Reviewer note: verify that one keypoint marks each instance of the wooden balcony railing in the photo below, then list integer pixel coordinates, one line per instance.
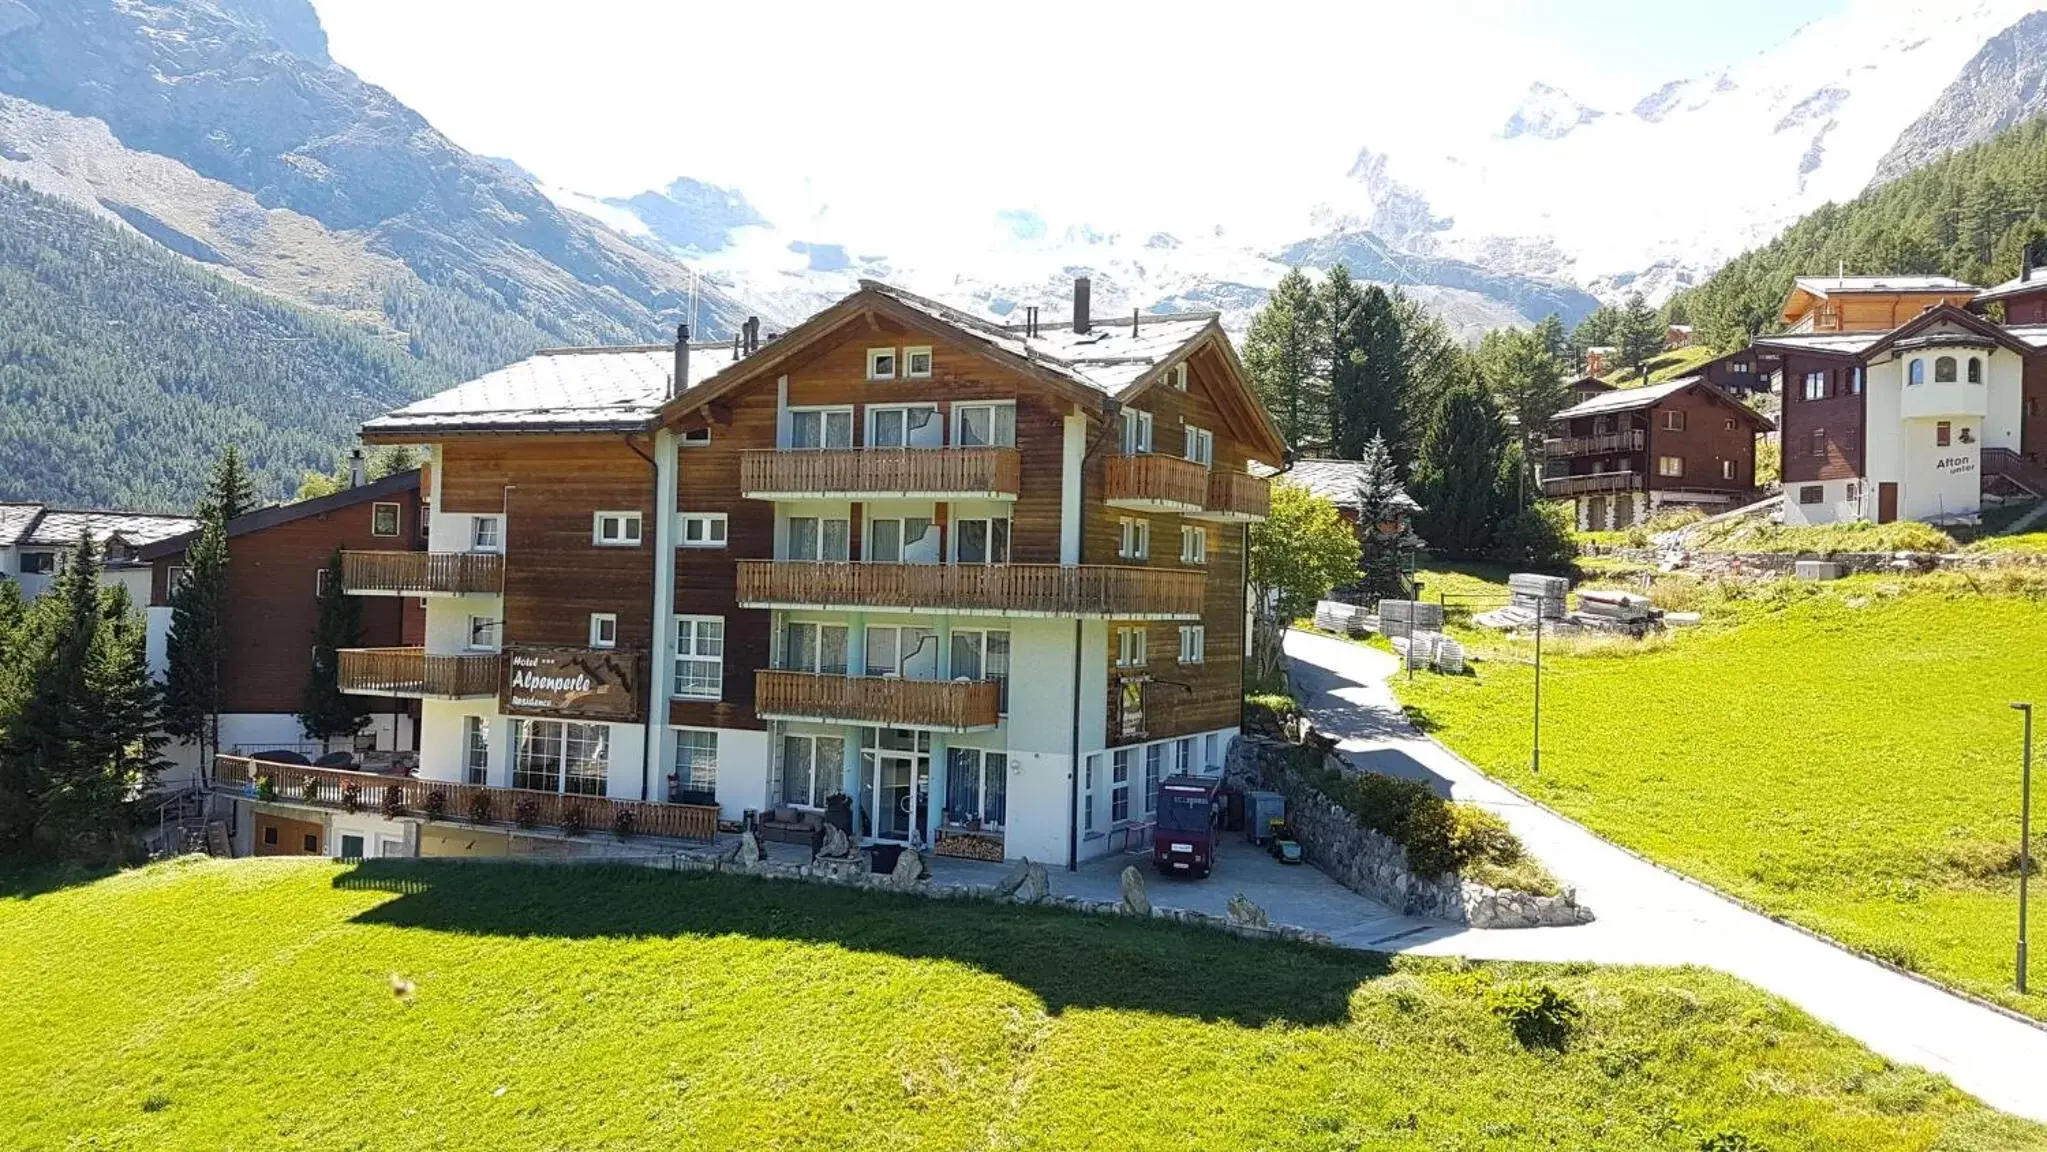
(1236, 498)
(859, 473)
(1095, 590)
(939, 705)
(411, 672)
(1154, 481)
(422, 573)
(1591, 482)
(509, 807)
(1631, 440)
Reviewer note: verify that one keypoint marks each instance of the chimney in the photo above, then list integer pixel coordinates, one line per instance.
(1080, 295)
(1133, 323)
(680, 383)
(753, 335)
(356, 473)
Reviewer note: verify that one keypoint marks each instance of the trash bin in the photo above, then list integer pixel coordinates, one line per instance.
(881, 858)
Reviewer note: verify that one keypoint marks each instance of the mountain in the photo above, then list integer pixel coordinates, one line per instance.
(2001, 85)
(125, 369)
(1548, 113)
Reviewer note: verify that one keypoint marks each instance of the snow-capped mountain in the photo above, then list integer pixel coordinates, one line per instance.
(2003, 84)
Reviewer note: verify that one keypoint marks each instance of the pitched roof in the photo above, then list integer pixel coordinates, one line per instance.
(1832, 343)
(16, 519)
(2016, 286)
(1333, 480)
(38, 525)
(1841, 285)
(1635, 399)
(559, 390)
(392, 485)
(1588, 384)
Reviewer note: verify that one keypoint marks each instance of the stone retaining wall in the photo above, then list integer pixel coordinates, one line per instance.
(1375, 865)
(1852, 563)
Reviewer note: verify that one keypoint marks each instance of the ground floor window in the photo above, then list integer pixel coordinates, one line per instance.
(1087, 792)
(1183, 760)
(696, 767)
(976, 786)
(1214, 758)
(558, 756)
(1154, 770)
(1119, 786)
(351, 847)
(812, 767)
(476, 749)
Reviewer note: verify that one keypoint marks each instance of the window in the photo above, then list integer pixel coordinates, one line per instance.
(1941, 433)
(486, 534)
(351, 847)
(483, 634)
(696, 767)
(1176, 377)
(695, 437)
(976, 786)
(1136, 540)
(1674, 421)
(982, 654)
(1183, 756)
(812, 767)
(270, 834)
(703, 530)
(1728, 424)
(384, 520)
(904, 540)
(475, 750)
(908, 651)
(917, 363)
(904, 426)
(1212, 751)
(1855, 380)
(1729, 470)
(559, 756)
(881, 363)
(1944, 370)
(1915, 373)
(815, 538)
(1852, 491)
(1200, 446)
(426, 519)
(1812, 494)
(603, 630)
(984, 425)
(810, 647)
(1154, 771)
(1741, 368)
(320, 584)
(1670, 465)
(981, 541)
(1129, 647)
(1975, 370)
(311, 843)
(818, 428)
(38, 563)
(1087, 792)
(699, 657)
(1119, 785)
(1193, 544)
(1137, 427)
(1193, 643)
(1817, 446)
(616, 530)
(1815, 386)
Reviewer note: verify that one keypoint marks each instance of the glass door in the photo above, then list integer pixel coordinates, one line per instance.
(898, 786)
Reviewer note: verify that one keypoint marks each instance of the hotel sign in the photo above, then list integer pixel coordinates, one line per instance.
(577, 683)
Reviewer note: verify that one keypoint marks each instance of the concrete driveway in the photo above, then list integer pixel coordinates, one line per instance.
(1649, 916)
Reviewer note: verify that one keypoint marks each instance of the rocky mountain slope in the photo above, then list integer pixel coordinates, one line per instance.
(2000, 86)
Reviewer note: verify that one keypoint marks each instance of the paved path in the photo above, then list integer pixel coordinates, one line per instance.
(1648, 916)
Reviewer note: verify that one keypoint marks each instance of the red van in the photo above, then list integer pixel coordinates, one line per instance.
(1184, 838)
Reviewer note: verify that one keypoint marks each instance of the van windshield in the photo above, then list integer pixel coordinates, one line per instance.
(1183, 812)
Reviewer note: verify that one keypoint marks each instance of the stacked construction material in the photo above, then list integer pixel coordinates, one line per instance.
(1342, 619)
(1544, 596)
(1618, 607)
(1432, 650)
(1406, 617)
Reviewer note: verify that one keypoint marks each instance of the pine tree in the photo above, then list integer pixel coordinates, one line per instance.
(57, 741)
(1342, 309)
(1528, 384)
(1554, 339)
(1281, 355)
(1381, 503)
(1640, 333)
(1457, 474)
(1599, 329)
(1431, 360)
(191, 696)
(131, 701)
(326, 711)
(230, 492)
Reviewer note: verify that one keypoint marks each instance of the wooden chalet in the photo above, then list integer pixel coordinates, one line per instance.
(1624, 454)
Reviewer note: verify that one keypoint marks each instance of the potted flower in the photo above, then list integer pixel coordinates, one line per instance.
(624, 824)
(436, 804)
(266, 788)
(838, 812)
(572, 820)
(526, 813)
(351, 796)
(394, 801)
(310, 788)
(482, 809)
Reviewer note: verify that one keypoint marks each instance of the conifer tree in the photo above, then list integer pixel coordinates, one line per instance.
(56, 740)
(1382, 503)
(326, 711)
(1554, 339)
(131, 703)
(1457, 473)
(193, 651)
(229, 492)
(1282, 357)
(1528, 385)
(1345, 335)
(1640, 333)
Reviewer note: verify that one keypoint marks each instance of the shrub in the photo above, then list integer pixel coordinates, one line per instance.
(266, 788)
(351, 796)
(1729, 1141)
(526, 813)
(1478, 835)
(624, 824)
(572, 820)
(1537, 537)
(436, 804)
(394, 801)
(1268, 714)
(1441, 837)
(482, 809)
(1539, 1015)
(309, 788)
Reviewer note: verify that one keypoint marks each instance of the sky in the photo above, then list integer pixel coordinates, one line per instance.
(886, 121)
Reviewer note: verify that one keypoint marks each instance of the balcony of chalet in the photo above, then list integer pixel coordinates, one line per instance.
(881, 474)
(883, 701)
(1591, 482)
(1151, 482)
(413, 674)
(1631, 440)
(1235, 498)
(422, 573)
(508, 809)
(1086, 590)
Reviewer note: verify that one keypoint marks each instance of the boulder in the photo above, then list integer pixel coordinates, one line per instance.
(1035, 885)
(750, 850)
(1244, 913)
(909, 871)
(837, 845)
(1012, 880)
(1136, 902)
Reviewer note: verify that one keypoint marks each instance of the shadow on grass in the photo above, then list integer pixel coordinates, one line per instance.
(1068, 960)
(24, 880)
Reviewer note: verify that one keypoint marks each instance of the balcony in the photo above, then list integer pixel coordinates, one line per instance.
(422, 573)
(881, 473)
(1591, 482)
(1156, 483)
(932, 705)
(1066, 591)
(1943, 400)
(1235, 498)
(411, 673)
(523, 808)
(1631, 440)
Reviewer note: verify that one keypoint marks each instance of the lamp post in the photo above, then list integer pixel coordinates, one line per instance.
(2025, 832)
(1535, 757)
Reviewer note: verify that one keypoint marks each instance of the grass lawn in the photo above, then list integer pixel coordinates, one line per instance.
(1841, 754)
(250, 1005)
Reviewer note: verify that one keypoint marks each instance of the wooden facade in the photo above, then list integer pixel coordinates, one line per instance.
(1692, 439)
(1821, 434)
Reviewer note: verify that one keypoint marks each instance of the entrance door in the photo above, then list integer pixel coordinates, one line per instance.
(1595, 513)
(1886, 502)
(903, 796)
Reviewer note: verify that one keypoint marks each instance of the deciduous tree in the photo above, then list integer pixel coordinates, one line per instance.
(1298, 553)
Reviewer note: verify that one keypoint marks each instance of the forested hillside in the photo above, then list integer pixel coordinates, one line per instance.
(125, 369)
(1967, 215)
